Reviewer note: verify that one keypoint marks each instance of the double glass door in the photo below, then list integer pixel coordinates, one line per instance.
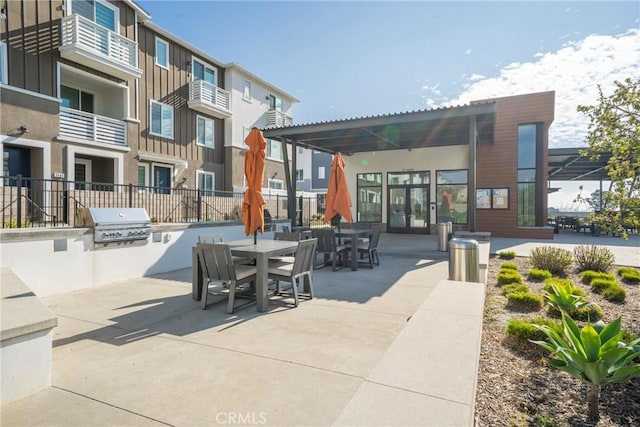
(408, 203)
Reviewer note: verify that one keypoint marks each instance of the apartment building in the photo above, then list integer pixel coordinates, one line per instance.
(93, 91)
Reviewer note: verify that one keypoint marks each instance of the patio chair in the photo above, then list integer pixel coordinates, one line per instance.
(219, 238)
(219, 269)
(290, 236)
(301, 268)
(328, 247)
(370, 249)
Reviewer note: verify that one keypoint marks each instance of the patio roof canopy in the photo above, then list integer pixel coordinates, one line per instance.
(417, 129)
(566, 164)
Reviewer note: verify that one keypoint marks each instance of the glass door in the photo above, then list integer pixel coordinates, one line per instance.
(408, 202)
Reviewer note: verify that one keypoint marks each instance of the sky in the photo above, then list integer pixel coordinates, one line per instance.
(362, 58)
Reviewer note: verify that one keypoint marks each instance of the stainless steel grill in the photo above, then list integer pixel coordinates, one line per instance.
(115, 225)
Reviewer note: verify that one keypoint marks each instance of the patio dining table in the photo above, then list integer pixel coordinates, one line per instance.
(260, 251)
(354, 234)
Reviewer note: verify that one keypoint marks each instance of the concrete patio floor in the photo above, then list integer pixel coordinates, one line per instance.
(395, 345)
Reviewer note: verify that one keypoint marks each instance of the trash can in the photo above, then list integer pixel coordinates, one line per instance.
(443, 236)
(464, 260)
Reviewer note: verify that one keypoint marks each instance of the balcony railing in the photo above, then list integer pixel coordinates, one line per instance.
(209, 99)
(90, 44)
(277, 118)
(78, 125)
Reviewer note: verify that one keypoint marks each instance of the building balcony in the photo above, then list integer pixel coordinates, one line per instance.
(79, 126)
(89, 44)
(209, 99)
(278, 119)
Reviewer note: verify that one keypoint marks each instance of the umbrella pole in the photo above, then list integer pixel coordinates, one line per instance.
(255, 237)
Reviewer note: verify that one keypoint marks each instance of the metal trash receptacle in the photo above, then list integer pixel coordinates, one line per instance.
(443, 237)
(464, 260)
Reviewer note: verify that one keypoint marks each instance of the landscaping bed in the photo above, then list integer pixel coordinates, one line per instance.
(517, 387)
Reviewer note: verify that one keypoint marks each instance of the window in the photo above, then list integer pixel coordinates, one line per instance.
(276, 184)
(162, 53)
(527, 144)
(451, 193)
(275, 103)
(162, 179)
(299, 174)
(320, 172)
(202, 71)
(101, 12)
(4, 75)
(274, 149)
(369, 191)
(143, 175)
(205, 131)
(300, 150)
(246, 91)
(76, 99)
(206, 182)
(161, 119)
(82, 174)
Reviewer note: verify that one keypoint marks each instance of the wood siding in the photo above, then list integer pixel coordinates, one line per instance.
(497, 162)
(171, 86)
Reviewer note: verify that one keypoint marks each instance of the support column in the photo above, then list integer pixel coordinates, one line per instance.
(473, 141)
(291, 190)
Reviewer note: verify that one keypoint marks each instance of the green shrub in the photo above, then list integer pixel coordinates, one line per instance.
(615, 293)
(538, 275)
(525, 301)
(509, 276)
(592, 257)
(523, 329)
(566, 282)
(506, 254)
(514, 287)
(509, 266)
(599, 285)
(556, 260)
(623, 270)
(588, 313)
(561, 297)
(630, 276)
(589, 275)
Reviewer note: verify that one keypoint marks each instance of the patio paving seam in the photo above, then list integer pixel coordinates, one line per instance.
(416, 392)
(102, 402)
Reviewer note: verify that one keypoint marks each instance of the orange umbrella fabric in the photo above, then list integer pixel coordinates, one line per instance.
(338, 199)
(253, 202)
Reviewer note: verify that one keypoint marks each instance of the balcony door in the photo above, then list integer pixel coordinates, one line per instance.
(102, 13)
(162, 179)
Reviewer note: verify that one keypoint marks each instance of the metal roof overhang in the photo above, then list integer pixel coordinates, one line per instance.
(566, 164)
(425, 128)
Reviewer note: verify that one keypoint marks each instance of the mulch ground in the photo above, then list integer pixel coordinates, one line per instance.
(516, 386)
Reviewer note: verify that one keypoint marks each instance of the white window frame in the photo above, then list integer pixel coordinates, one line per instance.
(166, 44)
(205, 65)
(275, 102)
(213, 130)
(246, 91)
(147, 177)
(88, 176)
(280, 183)
(300, 175)
(4, 78)
(162, 105)
(321, 172)
(205, 173)
(269, 150)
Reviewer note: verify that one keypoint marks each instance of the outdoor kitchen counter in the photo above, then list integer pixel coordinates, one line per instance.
(22, 311)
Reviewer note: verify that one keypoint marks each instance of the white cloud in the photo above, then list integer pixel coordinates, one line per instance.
(574, 72)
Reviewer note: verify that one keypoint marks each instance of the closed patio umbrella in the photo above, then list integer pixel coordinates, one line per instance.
(338, 201)
(253, 202)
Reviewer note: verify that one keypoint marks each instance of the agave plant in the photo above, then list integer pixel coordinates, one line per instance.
(562, 298)
(595, 355)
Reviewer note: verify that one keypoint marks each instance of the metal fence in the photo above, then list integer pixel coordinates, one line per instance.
(34, 202)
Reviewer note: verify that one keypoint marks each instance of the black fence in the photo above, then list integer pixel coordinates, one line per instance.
(34, 202)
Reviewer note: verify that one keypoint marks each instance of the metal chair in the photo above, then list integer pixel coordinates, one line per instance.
(328, 247)
(219, 238)
(302, 267)
(219, 269)
(370, 249)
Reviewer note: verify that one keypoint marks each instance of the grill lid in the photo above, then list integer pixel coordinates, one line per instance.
(99, 217)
